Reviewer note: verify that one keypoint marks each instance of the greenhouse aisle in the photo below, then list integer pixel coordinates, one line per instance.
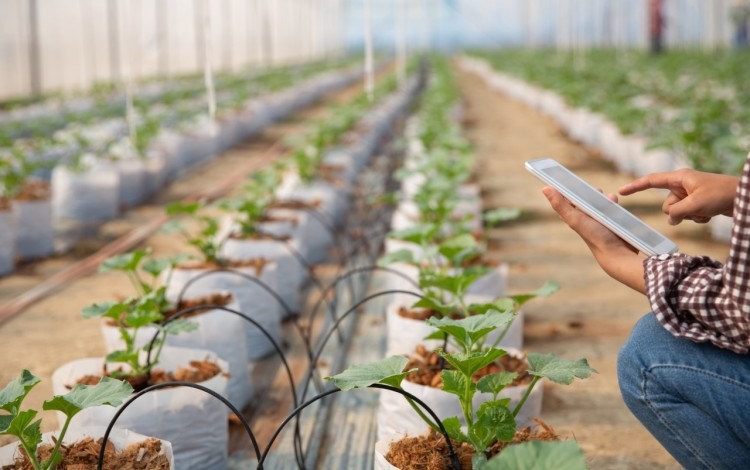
(591, 316)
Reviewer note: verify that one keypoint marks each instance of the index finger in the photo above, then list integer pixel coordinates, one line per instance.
(654, 180)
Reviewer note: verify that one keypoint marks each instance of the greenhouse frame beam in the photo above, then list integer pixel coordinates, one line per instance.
(35, 72)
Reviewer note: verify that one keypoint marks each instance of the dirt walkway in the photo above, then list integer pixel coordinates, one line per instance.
(592, 314)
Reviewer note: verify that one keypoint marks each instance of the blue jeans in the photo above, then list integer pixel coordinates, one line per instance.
(694, 398)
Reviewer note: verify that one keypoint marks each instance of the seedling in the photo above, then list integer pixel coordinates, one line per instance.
(146, 309)
(494, 420)
(22, 425)
(206, 240)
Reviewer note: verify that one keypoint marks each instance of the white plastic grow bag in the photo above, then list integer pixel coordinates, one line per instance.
(290, 273)
(120, 438)
(34, 235)
(133, 180)
(396, 415)
(90, 195)
(193, 421)
(721, 228)
(254, 301)
(218, 331)
(7, 241)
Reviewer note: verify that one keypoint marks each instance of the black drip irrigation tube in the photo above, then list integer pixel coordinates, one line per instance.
(335, 326)
(110, 426)
(287, 310)
(299, 453)
(358, 270)
(454, 465)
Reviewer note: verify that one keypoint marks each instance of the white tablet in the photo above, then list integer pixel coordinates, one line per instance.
(610, 214)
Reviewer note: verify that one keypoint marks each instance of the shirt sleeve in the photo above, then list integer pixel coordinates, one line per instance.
(701, 299)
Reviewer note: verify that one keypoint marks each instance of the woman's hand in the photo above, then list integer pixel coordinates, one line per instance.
(614, 255)
(693, 195)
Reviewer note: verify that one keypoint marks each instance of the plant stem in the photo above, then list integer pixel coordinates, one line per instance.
(525, 395)
(421, 414)
(60, 438)
(502, 335)
(31, 453)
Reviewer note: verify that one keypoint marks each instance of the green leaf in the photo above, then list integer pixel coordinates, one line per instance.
(180, 208)
(17, 423)
(455, 284)
(389, 371)
(108, 391)
(179, 325)
(128, 357)
(145, 312)
(113, 310)
(399, 256)
(470, 330)
(495, 383)
(539, 455)
(452, 426)
(419, 234)
(14, 393)
(469, 364)
(495, 416)
(558, 370)
(126, 262)
(549, 288)
(455, 383)
(505, 304)
(460, 248)
(432, 304)
(497, 216)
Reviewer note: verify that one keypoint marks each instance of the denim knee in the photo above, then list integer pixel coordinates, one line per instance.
(636, 356)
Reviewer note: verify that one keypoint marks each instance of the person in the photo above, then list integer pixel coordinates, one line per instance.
(684, 371)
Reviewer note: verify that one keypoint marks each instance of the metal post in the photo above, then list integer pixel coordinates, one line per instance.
(369, 66)
(34, 64)
(162, 37)
(114, 40)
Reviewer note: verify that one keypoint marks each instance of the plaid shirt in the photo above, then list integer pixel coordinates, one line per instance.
(699, 298)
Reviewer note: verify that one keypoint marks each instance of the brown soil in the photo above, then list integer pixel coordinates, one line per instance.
(4, 204)
(417, 314)
(84, 455)
(430, 368)
(257, 263)
(197, 372)
(35, 190)
(258, 236)
(219, 299)
(295, 204)
(430, 452)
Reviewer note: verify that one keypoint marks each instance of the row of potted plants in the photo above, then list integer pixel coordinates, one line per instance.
(146, 334)
(102, 180)
(455, 354)
(644, 116)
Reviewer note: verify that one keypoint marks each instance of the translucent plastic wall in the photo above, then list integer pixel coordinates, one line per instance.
(47, 45)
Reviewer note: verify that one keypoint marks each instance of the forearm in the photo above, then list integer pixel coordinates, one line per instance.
(622, 265)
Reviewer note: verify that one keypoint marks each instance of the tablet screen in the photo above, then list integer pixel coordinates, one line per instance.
(603, 205)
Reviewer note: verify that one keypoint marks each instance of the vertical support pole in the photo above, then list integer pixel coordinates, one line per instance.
(401, 41)
(162, 36)
(227, 28)
(208, 74)
(369, 66)
(34, 56)
(266, 36)
(114, 40)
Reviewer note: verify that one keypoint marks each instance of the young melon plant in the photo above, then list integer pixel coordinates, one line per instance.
(24, 425)
(494, 420)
